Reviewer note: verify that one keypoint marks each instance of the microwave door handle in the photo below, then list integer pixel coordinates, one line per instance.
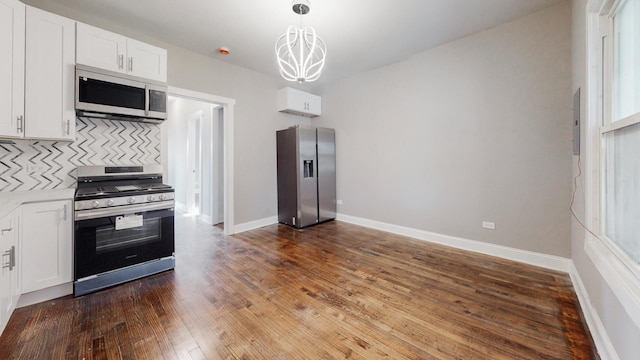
(147, 94)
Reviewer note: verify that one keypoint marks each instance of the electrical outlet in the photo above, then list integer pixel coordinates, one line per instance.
(36, 168)
(338, 202)
(489, 225)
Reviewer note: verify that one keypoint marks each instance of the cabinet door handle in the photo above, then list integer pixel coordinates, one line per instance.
(20, 123)
(64, 212)
(121, 61)
(68, 126)
(130, 64)
(12, 258)
(147, 95)
(6, 264)
(5, 230)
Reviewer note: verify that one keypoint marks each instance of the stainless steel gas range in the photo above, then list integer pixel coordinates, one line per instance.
(124, 226)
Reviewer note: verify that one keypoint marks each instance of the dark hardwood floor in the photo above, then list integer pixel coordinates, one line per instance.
(329, 292)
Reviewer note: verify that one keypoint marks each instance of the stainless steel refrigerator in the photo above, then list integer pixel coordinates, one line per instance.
(306, 175)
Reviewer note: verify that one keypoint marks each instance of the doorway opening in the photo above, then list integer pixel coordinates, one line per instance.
(194, 152)
(197, 153)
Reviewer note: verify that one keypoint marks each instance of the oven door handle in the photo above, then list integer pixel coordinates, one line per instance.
(129, 209)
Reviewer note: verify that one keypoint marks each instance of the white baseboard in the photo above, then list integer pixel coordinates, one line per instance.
(251, 225)
(207, 219)
(45, 294)
(181, 207)
(528, 257)
(598, 332)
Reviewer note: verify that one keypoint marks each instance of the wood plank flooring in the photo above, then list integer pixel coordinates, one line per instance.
(333, 291)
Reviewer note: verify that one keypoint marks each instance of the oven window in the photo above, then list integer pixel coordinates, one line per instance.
(109, 239)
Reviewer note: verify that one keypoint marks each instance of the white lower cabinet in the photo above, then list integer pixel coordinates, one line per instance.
(47, 241)
(9, 286)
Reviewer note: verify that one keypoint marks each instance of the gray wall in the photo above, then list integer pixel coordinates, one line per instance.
(256, 119)
(622, 331)
(477, 129)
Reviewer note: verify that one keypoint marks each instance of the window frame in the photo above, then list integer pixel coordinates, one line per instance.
(617, 268)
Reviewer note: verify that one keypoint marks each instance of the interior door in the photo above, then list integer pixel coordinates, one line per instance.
(194, 164)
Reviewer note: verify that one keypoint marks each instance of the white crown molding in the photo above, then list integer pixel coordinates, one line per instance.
(602, 7)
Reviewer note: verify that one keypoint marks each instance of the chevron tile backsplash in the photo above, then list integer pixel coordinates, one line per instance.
(98, 142)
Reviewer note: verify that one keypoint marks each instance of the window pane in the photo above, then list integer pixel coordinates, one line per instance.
(626, 25)
(622, 189)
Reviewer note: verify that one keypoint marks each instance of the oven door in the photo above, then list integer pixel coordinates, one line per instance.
(109, 242)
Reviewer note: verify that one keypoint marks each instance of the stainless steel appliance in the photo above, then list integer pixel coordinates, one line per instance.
(124, 226)
(110, 95)
(306, 175)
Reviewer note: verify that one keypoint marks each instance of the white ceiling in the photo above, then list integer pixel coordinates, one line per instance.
(360, 34)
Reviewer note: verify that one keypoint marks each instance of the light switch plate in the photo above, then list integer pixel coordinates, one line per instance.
(489, 225)
(576, 123)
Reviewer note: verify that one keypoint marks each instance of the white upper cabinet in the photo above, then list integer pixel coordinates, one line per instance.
(11, 68)
(299, 102)
(49, 76)
(100, 48)
(110, 51)
(146, 61)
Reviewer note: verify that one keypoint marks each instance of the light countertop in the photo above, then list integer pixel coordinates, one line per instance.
(10, 201)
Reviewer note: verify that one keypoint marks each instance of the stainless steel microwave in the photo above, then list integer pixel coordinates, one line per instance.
(114, 96)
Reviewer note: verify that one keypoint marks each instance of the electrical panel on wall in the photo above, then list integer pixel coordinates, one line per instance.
(576, 123)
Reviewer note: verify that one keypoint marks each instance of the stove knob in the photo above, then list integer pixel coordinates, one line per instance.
(163, 197)
(95, 203)
(131, 200)
(110, 202)
(151, 198)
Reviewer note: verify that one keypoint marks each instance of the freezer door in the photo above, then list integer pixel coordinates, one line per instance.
(326, 141)
(287, 143)
(308, 180)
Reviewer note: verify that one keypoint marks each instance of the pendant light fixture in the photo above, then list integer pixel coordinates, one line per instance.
(300, 52)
